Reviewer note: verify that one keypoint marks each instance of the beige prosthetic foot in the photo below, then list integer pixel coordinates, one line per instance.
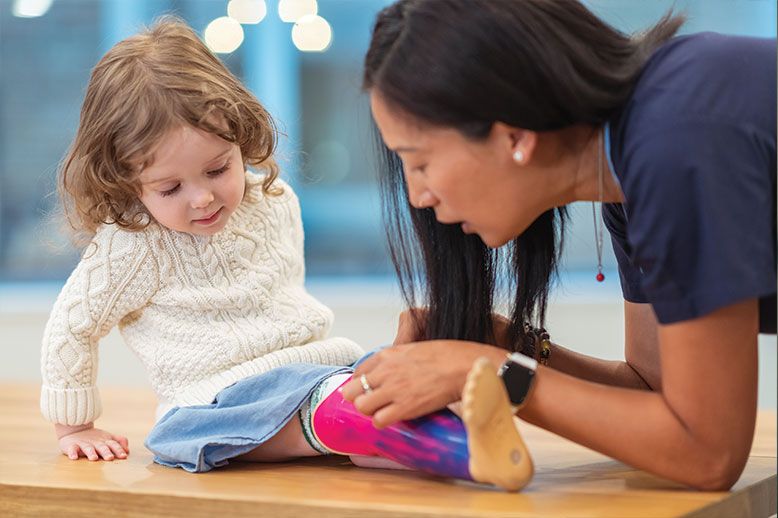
(497, 452)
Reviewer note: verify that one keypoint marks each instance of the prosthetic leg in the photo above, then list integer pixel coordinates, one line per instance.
(483, 446)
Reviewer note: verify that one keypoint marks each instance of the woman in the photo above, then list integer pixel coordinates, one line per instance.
(500, 115)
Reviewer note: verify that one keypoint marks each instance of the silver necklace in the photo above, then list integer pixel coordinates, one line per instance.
(598, 230)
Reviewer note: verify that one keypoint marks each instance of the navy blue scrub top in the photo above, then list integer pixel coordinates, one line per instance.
(694, 152)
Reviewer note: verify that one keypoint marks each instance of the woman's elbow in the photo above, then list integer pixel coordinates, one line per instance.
(718, 471)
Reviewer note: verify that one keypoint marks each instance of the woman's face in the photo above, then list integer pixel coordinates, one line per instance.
(476, 184)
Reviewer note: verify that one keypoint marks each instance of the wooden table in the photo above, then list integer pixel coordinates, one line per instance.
(36, 480)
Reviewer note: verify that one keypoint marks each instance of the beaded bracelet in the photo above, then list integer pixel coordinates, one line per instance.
(541, 343)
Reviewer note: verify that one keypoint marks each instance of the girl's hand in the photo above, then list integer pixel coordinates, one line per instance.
(90, 442)
(411, 380)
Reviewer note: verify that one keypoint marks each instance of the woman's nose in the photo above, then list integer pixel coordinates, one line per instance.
(418, 194)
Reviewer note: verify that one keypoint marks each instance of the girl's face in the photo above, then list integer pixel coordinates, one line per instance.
(476, 184)
(195, 181)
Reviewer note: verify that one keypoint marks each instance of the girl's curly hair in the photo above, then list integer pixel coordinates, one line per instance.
(161, 78)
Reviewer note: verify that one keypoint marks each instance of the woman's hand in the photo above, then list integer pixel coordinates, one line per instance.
(415, 379)
(90, 442)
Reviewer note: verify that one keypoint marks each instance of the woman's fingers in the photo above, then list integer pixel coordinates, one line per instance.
(381, 404)
(352, 389)
(369, 403)
(370, 364)
(355, 388)
(388, 415)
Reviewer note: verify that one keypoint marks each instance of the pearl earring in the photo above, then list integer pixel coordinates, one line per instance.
(518, 157)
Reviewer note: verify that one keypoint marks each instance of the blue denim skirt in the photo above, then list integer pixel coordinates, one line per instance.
(241, 417)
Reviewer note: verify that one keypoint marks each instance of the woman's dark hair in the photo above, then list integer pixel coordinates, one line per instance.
(541, 65)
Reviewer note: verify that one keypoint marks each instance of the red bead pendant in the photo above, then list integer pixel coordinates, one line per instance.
(600, 277)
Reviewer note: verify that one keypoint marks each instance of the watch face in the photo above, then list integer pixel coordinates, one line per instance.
(518, 380)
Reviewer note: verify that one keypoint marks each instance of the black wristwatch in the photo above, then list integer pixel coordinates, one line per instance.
(518, 375)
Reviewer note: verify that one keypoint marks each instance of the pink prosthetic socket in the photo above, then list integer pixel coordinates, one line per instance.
(436, 443)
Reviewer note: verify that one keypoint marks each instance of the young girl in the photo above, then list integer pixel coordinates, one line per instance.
(200, 264)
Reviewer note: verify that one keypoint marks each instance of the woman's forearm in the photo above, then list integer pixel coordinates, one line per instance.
(606, 372)
(637, 427)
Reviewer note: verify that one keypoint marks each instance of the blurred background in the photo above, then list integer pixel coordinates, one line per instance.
(303, 60)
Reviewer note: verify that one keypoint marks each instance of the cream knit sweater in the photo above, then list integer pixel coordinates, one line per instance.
(200, 312)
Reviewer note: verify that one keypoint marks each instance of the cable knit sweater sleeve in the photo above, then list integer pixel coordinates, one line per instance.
(116, 277)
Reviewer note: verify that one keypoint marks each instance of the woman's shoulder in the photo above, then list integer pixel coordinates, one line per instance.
(692, 111)
(704, 80)
(715, 54)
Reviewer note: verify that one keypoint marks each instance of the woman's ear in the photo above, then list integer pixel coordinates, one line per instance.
(519, 143)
